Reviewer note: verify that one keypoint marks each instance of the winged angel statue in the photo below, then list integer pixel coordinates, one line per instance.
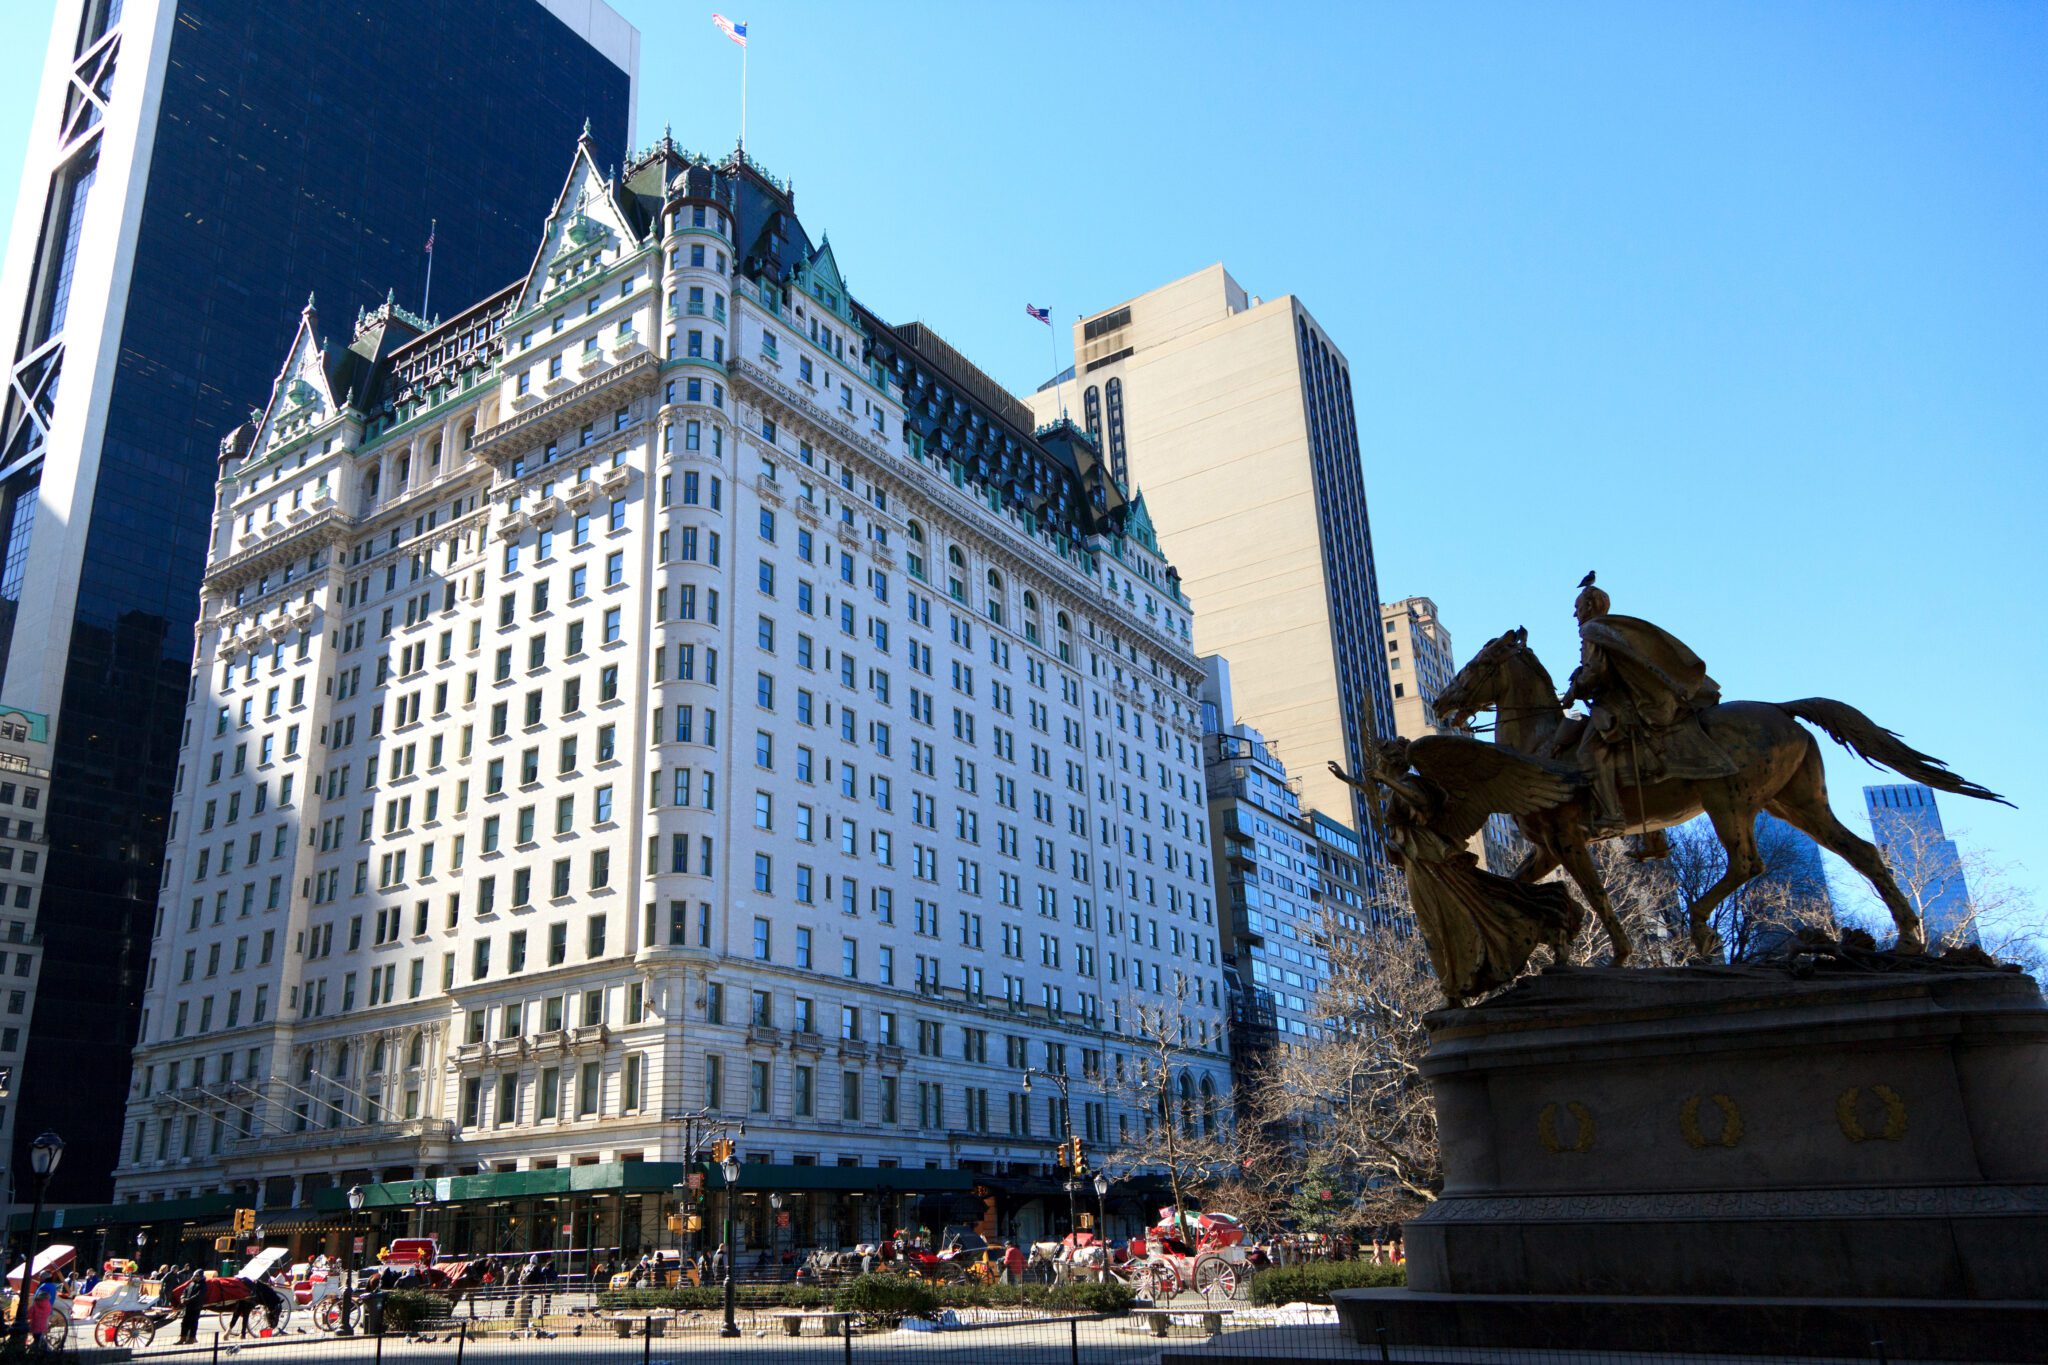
(1434, 794)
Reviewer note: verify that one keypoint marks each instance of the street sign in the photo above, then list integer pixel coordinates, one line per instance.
(782, 1219)
(696, 1180)
(360, 1246)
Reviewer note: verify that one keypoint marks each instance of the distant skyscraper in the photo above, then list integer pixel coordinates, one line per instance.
(1419, 662)
(194, 169)
(1791, 859)
(1905, 821)
(1234, 417)
(1268, 877)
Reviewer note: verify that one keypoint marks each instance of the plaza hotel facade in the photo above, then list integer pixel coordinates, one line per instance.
(665, 688)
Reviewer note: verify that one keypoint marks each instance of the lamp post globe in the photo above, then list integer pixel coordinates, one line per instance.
(44, 1155)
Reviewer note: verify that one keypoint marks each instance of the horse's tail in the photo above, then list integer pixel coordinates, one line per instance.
(1877, 746)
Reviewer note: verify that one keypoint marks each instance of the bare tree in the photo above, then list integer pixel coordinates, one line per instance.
(1965, 896)
(1355, 1098)
(1185, 1129)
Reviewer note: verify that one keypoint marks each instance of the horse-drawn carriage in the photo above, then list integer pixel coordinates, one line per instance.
(963, 1256)
(233, 1299)
(50, 1307)
(1205, 1252)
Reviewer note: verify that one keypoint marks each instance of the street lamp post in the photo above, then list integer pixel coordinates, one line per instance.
(730, 1169)
(422, 1195)
(1102, 1219)
(775, 1203)
(348, 1285)
(1059, 1081)
(43, 1158)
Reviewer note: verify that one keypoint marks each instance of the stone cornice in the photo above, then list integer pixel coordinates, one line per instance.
(329, 527)
(496, 444)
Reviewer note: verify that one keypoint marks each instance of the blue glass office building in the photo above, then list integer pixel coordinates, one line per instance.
(196, 168)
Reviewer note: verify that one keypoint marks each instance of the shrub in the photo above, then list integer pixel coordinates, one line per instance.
(712, 1296)
(1312, 1282)
(1083, 1297)
(405, 1309)
(886, 1299)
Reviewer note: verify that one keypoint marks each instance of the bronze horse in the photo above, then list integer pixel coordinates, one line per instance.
(1778, 769)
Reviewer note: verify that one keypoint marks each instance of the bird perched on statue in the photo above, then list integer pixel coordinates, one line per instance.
(1587, 581)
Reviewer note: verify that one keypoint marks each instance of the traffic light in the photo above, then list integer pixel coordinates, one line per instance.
(1060, 1156)
(1077, 1162)
(721, 1149)
(244, 1221)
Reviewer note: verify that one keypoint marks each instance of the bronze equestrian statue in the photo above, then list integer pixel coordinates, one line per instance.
(1661, 747)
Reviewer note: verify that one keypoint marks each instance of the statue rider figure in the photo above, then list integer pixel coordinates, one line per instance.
(1644, 690)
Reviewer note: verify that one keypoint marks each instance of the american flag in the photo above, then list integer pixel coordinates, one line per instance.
(1044, 315)
(431, 231)
(736, 32)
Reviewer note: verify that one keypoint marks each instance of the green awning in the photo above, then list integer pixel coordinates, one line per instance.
(89, 1216)
(647, 1177)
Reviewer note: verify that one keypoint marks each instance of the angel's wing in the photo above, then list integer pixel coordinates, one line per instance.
(1479, 779)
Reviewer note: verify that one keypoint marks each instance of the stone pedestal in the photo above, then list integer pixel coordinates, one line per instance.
(1741, 1135)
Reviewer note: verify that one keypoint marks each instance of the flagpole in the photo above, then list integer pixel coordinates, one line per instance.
(427, 294)
(1059, 388)
(743, 98)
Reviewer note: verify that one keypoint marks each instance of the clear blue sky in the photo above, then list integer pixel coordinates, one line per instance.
(1744, 305)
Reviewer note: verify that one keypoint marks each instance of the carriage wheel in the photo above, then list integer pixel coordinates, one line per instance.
(57, 1335)
(1162, 1281)
(134, 1329)
(1214, 1274)
(327, 1315)
(284, 1316)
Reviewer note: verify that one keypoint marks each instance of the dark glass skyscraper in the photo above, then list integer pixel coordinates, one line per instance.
(196, 168)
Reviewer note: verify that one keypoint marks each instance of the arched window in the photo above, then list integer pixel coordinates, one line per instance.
(1208, 1107)
(341, 1062)
(415, 1049)
(915, 533)
(1031, 622)
(377, 1058)
(1065, 643)
(1187, 1105)
(1117, 465)
(956, 574)
(994, 605)
(1091, 408)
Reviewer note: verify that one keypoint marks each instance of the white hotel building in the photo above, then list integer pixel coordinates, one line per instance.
(665, 687)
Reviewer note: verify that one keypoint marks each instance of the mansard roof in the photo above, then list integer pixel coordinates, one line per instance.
(1055, 472)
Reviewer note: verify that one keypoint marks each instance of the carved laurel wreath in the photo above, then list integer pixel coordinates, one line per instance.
(1582, 1120)
(1731, 1122)
(1894, 1114)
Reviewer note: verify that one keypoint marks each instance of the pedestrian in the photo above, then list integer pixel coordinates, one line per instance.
(193, 1297)
(1013, 1264)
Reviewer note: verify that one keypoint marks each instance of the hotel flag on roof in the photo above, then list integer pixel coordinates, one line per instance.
(1044, 315)
(736, 32)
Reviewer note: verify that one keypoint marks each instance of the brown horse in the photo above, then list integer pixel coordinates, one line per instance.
(1778, 769)
(459, 1280)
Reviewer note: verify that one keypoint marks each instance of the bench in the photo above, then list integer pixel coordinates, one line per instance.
(1160, 1319)
(835, 1324)
(624, 1328)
